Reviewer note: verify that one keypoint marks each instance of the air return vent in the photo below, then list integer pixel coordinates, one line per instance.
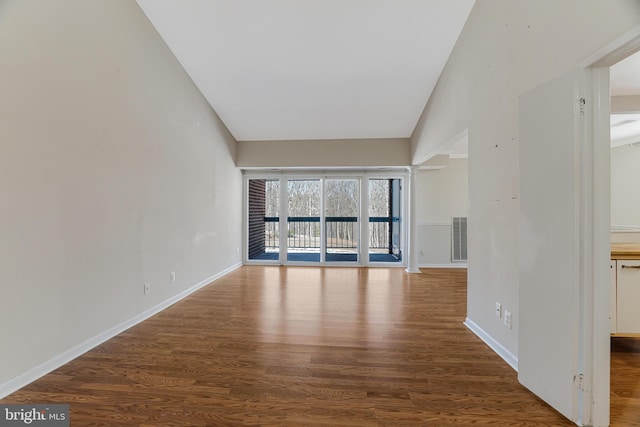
(459, 238)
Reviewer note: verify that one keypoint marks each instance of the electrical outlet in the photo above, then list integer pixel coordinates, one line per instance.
(172, 276)
(147, 288)
(507, 319)
(498, 309)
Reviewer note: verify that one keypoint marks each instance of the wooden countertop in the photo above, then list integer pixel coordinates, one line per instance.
(620, 250)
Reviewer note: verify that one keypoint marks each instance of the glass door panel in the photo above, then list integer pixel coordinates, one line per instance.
(342, 226)
(264, 217)
(385, 220)
(303, 220)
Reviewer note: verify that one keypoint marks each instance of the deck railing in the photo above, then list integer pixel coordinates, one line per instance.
(342, 233)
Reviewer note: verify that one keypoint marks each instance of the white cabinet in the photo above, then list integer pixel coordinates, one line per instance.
(627, 312)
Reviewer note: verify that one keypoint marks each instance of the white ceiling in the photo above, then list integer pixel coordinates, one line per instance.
(312, 69)
(625, 129)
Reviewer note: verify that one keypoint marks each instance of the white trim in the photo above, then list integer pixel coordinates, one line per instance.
(596, 233)
(625, 229)
(506, 355)
(584, 232)
(322, 174)
(67, 356)
(600, 349)
(431, 168)
(452, 265)
(628, 140)
(378, 171)
(445, 146)
(411, 214)
(614, 52)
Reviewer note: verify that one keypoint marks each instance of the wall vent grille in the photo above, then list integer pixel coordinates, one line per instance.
(459, 238)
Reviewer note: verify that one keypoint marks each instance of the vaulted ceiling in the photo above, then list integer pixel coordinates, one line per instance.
(312, 69)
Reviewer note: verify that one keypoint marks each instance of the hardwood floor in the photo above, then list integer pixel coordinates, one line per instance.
(307, 347)
(625, 381)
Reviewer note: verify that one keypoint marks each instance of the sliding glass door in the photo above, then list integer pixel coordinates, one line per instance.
(303, 220)
(342, 225)
(385, 220)
(346, 219)
(263, 219)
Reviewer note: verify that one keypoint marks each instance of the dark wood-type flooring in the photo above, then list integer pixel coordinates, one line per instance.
(311, 346)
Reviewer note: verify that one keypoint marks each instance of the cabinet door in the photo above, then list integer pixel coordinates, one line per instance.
(613, 293)
(628, 314)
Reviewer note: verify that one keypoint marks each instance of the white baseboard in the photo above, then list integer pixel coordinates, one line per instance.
(78, 350)
(452, 265)
(492, 343)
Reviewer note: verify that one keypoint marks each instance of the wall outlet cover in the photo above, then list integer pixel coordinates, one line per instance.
(507, 319)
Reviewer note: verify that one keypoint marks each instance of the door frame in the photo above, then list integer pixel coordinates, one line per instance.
(594, 216)
(284, 209)
(363, 176)
(323, 220)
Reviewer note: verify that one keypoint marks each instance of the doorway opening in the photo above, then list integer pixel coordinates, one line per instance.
(384, 220)
(624, 81)
(571, 115)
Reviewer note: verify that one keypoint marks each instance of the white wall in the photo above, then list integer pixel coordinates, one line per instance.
(625, 192)
(506, 48)
(442, 194)
(114, 171)
(624, 104)
(625, 173)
